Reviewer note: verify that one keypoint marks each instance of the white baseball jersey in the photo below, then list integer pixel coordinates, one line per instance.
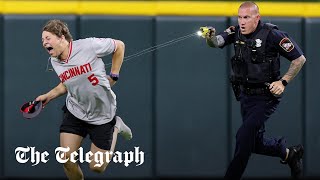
(90, 97)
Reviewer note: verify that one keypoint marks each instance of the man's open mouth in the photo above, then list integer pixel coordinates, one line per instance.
(49, 49)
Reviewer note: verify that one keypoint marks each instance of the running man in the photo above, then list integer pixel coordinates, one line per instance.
(90, 103)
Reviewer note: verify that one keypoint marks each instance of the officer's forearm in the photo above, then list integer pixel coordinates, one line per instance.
(215, 41)
(294, 68)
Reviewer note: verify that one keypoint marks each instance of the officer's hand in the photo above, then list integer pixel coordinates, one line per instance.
(207, 32)
(276, 88)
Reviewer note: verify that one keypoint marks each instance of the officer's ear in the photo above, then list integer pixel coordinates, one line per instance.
(258, 17)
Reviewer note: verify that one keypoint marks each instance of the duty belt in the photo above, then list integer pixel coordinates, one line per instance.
(255, 91)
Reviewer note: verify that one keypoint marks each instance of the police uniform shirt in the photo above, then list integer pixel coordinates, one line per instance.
(89, 97)
(277, 41)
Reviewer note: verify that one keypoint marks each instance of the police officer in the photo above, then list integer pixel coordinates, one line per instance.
(258, 86)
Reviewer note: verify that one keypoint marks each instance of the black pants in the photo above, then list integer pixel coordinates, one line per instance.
(100, 135)
(255, 111)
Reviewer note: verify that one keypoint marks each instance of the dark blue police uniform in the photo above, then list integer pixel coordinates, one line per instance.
(256, 62)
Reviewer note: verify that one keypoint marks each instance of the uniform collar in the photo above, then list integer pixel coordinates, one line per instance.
(251, 35)
(70, 51)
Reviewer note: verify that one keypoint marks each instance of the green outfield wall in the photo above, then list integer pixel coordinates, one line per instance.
(177, 99)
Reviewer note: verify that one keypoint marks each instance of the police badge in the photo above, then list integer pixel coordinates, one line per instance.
(258, 42)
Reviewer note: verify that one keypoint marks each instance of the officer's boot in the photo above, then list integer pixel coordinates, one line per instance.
(294, 160)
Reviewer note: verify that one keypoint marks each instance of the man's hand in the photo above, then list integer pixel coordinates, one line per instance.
(276, 88)
(111, 81)
(44, 99)
(54, 93)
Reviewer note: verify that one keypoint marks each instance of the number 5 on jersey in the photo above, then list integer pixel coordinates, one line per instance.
(93, 79)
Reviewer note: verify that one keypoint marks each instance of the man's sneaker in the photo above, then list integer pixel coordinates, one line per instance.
(124, 130)
(294, 160)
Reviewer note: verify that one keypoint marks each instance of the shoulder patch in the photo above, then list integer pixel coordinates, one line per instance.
(230, 30)
(286, 44)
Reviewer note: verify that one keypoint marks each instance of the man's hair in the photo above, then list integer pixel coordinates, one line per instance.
(58, 28)
(249, 4)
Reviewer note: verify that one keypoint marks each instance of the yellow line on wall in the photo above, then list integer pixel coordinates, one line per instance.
(1, 6)
(118, 8)
(153, 8)
(40, 7)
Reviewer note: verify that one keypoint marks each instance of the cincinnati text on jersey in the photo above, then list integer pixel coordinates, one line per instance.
(75, 71)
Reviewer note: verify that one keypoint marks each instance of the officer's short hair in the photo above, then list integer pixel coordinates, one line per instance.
(249, 3)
